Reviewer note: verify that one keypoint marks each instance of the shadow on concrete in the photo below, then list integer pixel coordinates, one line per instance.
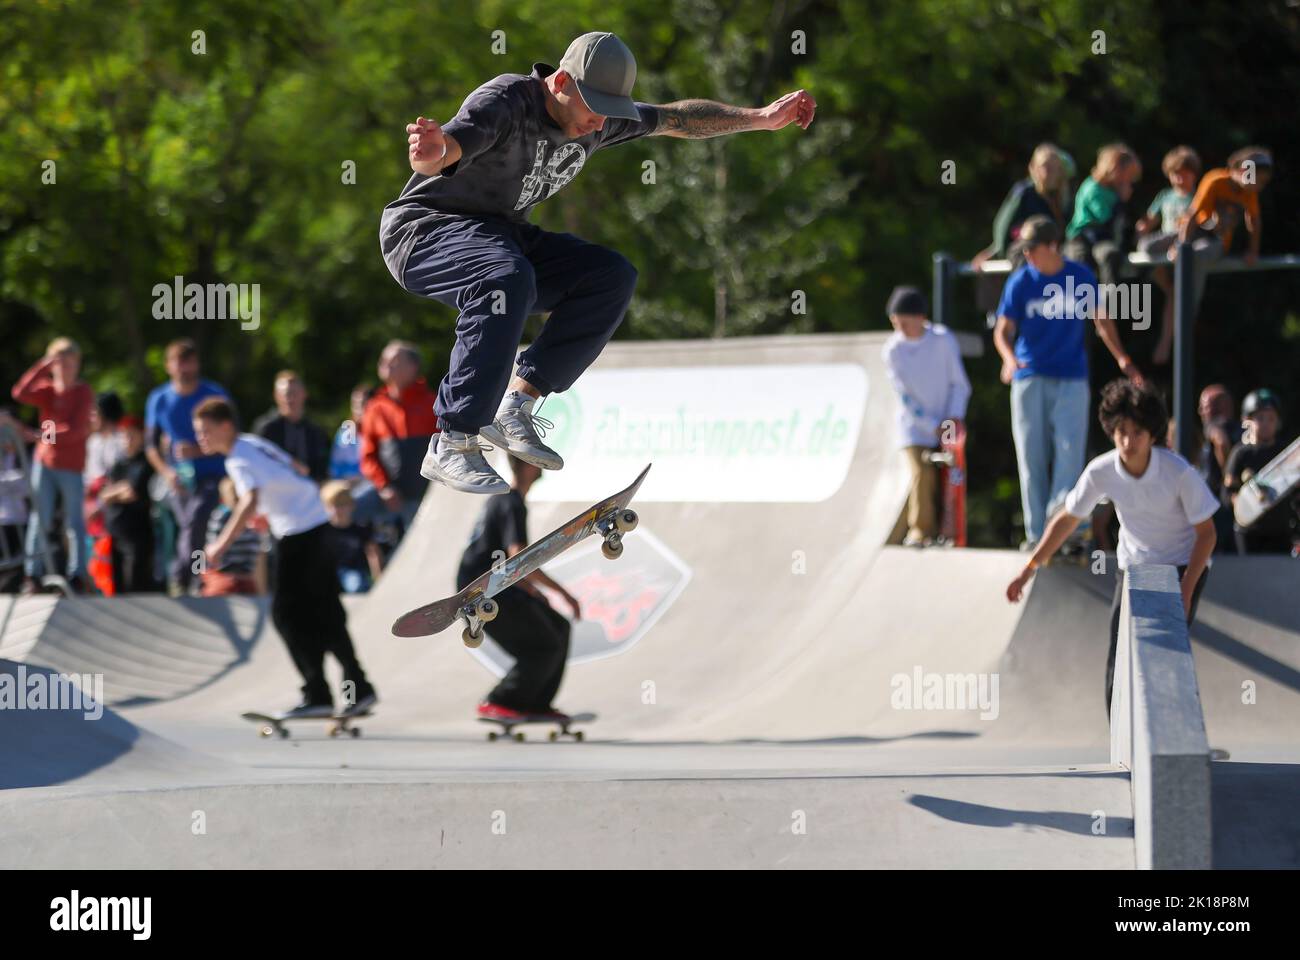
(982, 815)
(1254, 806)
(43, 746)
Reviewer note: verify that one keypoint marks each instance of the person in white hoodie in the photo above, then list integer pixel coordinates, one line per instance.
(924, 364)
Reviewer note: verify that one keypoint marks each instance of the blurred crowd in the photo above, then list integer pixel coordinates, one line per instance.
(1058, 238)
(119, 501)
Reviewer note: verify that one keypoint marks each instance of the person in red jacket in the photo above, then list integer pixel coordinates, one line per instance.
(396, 427)
(63, 403)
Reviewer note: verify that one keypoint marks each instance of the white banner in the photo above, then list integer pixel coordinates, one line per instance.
(771, 434)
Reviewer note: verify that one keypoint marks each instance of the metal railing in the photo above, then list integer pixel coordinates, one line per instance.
(947, 269)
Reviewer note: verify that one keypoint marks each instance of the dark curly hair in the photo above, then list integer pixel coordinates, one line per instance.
(1123, 399)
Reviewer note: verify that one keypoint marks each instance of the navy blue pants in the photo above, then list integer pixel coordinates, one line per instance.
(496, 273)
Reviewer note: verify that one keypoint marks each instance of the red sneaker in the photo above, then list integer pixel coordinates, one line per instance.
(494, 711)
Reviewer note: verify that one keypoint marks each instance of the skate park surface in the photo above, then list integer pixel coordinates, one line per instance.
(748, 659)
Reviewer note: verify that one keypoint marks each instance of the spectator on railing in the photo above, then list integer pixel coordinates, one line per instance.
(1260, 443)
(1045, 192)
(289, 428)
(925, 368)
(395, 431)
(1158, 232)
(63, 402)
(1040, 335)
(1226, 197)
(1096, 234)
(1220, 432)
(174, 453)
(1166, 512)
(125, 496)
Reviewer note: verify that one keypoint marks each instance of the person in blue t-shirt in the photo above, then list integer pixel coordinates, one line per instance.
(1041, 336)
(171, 448)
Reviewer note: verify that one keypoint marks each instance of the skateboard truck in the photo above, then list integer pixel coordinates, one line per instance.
(475, 616)
(612, 529)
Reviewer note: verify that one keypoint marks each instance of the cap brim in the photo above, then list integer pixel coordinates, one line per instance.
(606, 104)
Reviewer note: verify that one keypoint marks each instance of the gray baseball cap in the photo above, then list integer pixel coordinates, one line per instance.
(604, 70)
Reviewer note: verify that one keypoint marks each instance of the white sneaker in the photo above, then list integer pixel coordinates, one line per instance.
(456, 459)
(516, 429)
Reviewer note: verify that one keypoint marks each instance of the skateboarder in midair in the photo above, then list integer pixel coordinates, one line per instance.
(459, 234)
(526, 627)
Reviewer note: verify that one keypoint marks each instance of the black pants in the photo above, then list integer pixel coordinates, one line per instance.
(538, 638)
(306, 610)
(193, 509)
(133, 561)
(1114, 621)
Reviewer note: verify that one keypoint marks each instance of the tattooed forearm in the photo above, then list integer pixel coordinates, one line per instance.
(698, 119)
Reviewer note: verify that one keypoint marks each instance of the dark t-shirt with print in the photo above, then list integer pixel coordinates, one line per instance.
(503, 522)
(513, 156)
(1252, 458)
(130, 521)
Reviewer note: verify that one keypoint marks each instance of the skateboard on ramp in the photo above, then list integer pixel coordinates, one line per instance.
(1275, 483)
(562, 727)
(474, 605)
(950, 458)
(278, 724)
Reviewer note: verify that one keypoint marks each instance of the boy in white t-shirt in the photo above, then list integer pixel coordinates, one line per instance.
(305, 604)
(1166, 512)
(924, 364)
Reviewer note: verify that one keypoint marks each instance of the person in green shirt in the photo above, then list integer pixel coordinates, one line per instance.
(1096, 231)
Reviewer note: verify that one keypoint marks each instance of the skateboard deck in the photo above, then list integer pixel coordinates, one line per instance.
(278, 724)
(474, 605)
(1274, 483)
(562, 727)
(951, 460)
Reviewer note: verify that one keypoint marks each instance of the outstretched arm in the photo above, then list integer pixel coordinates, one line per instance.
(700, 119)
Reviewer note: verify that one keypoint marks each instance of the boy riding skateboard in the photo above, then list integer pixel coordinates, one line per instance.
(459, 234)
(305, 604)
(526, 627)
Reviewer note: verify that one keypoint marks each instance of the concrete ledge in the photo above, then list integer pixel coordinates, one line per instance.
(1157, 727)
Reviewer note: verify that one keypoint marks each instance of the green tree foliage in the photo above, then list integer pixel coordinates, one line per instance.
(256, 141)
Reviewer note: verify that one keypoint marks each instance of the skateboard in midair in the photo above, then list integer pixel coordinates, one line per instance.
(278, 724)
(1268, 489)
(610, 518)
(950, 458)
(562, 727)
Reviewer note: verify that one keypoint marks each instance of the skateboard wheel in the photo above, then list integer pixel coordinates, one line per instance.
(334, 731)
(471, 639)
(612, 548)
(284, 733)
(553, 736)
(265, 732)
(355, 732)
(625, 521)
(487, 610)
(577, 735)
(519, 737)
(492, 736)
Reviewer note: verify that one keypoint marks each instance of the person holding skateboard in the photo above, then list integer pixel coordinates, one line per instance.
(924, 364)
(526, 627)
(459, 234)
(1166, 512)
(305, 604)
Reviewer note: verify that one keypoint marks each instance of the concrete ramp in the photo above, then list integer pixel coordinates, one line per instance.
(757, 659)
